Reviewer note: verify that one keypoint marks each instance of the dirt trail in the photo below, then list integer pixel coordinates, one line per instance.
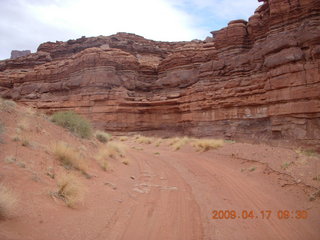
(206, 182)
(165, 194)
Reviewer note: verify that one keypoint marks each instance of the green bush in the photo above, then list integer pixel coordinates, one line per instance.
(74, 122)
(102, 136)
(1, 131)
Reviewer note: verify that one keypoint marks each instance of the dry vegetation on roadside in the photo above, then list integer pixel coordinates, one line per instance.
(203, 145)
(176, 143)
(70, 190)
(69, 157)
(102, 136)
(7, 201)
(143, 140)
(112, 150)
(1, 131)
(7, 105)
(123, 138)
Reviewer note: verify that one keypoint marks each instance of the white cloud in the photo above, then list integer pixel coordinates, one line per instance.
(63, 20)
(153, 19)
(223, 9)
(27, 23)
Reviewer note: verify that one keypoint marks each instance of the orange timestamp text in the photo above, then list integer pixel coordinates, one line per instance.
(262, 214)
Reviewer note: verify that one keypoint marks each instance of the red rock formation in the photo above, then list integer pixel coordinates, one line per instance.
(16, 53)
(255, 80)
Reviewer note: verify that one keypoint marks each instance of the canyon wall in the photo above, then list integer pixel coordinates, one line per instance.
(255, 80)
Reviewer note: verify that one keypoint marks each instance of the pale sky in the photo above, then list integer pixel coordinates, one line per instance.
(24, 24)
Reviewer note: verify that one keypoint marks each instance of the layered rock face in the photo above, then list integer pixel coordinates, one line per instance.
(257, 80)
(16, 53)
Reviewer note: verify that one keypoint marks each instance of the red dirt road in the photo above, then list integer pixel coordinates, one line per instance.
(165, 194)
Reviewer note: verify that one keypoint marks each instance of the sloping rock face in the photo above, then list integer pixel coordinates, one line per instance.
(257, 80)
(16, 53)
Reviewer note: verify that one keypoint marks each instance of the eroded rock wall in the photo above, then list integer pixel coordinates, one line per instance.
(257, 80)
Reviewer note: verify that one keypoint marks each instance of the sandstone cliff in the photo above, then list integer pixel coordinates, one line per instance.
(257, 80)
(16, 53)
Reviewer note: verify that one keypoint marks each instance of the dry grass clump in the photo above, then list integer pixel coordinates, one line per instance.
(1, 131)
(24, 124)
(102, 158)
(307, 152)
(123, 138)
(25, 142)
(252, 169)
(143, 140)
(102, 136)
(115, 150)
(7, 202)
(69, 157)
(178, 143)
(71, 190)
(316, 178)
(10, 159)
(112, 150)
(30, 111)
(158, 142)
(204, 145)
(125, 162)
(7, 105)
(286, 165)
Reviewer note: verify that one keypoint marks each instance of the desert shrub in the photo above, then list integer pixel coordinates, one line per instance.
(123, 138)
(158, 142)
(307, 152)
(204, 145)
(102, 158)
(125, 162)
(25, 142)
(113, 150)
(252, 169)
(177, 143)
(10, 159)
(102, 136)
(142, 139)
(316, 178)
(70, 190)
(286, 165)
(7, 105)
(74, 122)
(1, 131)
(24, 124)
(69, 157)
(7, 201)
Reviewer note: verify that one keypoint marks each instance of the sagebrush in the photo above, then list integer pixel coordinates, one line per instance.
(74, 122)
(102, 136)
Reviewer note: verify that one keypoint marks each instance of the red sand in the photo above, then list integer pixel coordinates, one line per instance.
(161, 193)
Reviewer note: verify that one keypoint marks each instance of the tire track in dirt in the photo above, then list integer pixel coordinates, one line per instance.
(236, 193)
(161, 206)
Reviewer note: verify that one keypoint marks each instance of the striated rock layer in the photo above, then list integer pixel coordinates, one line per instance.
(16, 53)
(257, 80)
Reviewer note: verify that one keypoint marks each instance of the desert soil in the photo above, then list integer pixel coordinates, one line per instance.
(161, 193)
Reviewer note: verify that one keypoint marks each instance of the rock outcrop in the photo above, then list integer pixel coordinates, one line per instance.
(257, 80)
(16, 53)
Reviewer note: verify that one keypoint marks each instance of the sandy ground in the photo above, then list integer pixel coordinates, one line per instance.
(161, 193)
